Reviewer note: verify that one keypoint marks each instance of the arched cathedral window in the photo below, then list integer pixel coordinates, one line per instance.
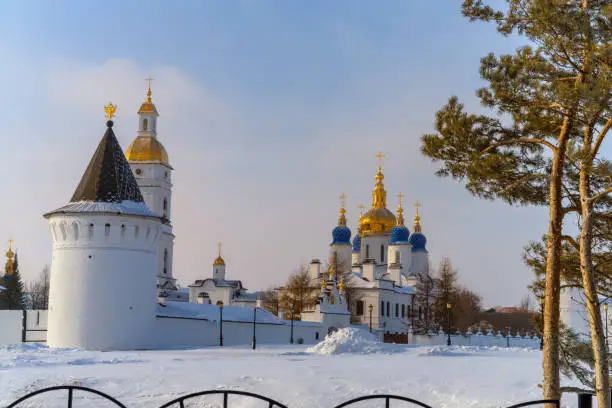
(397, 257)
(165, 210)
(382, 253)
(145, 124)
(165, 260)
(367, 254)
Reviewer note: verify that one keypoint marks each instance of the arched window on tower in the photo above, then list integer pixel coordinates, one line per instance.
(165, 210)
(165, 261)
(145, 124)
(388, 309)
(397, 257)
(382, 253)
(367, 254)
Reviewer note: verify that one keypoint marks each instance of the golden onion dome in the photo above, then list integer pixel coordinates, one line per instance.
(147, 149)
(219, 261)
(148, 106)
(377, 220)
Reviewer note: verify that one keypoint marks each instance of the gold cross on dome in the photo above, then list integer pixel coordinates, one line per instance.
(417, 205)
(10, 242)
(343, 200)
(361, 207)
(380, 156)
(219, 245)
(110, 110)
(149, 79)
(400, 196)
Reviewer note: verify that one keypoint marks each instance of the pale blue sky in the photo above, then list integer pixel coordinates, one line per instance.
(269, 110)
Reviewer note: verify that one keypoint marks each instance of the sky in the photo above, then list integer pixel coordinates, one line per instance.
(269, 111)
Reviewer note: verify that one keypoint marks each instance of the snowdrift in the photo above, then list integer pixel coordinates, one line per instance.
(354, 341)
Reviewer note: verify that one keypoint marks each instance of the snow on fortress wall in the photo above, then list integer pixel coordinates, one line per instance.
(486, 340)
(174, 331)
(11, 326)
(195, 325)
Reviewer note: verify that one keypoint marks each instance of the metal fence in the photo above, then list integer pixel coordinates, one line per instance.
(227, 397)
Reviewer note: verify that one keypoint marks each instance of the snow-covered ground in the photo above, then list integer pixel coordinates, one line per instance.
(349, 365)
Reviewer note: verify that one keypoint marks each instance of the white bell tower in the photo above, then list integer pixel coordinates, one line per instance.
(149, 162)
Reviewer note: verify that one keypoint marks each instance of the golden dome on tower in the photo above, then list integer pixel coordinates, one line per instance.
(148, 106)
(378, 219)
(147, 149)
(219, 261)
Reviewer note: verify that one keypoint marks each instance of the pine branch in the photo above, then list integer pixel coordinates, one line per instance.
(600, 137)
(571, 241)
(521, 140)
(600, 195)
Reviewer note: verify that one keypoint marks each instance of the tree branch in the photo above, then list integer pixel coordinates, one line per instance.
(521, 140)
(600, 195)
(572, 241)
(600, 137)
(523, 179)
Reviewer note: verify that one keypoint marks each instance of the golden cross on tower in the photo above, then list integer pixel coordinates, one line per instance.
(417, 205)
(219, 245)
(361, 208)
(10, 242)
(343, 200)
(149, 79)
(110, 110)
(400, 196)
(380, 156)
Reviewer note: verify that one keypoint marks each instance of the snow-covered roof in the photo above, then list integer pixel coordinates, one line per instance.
(218, 283)
(211, 312)
(360, 282)
(409, 290)
(124, 207)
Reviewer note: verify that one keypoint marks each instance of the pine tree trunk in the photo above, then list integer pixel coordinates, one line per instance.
(600, 352)
(551, 386)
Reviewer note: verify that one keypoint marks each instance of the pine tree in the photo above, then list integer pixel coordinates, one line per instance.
(545, 97)
(13, 297)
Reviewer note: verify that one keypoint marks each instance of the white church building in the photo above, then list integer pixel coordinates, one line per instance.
(385, 260)
(111, 270)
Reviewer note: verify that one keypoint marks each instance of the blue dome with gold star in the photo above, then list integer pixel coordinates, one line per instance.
(399, 234)
(418, 242)
(341, 235)
(357, 243)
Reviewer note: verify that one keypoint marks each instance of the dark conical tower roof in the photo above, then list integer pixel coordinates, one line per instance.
(108, 178)
(108, 185)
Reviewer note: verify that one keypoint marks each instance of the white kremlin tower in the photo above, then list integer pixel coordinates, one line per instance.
(105, 245)
(149, 162)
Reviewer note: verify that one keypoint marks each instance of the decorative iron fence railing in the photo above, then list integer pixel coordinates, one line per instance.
(227, 397)
(226, 394)
(71, 389)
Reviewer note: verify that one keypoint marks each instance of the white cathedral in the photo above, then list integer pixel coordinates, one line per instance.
(385, 260)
